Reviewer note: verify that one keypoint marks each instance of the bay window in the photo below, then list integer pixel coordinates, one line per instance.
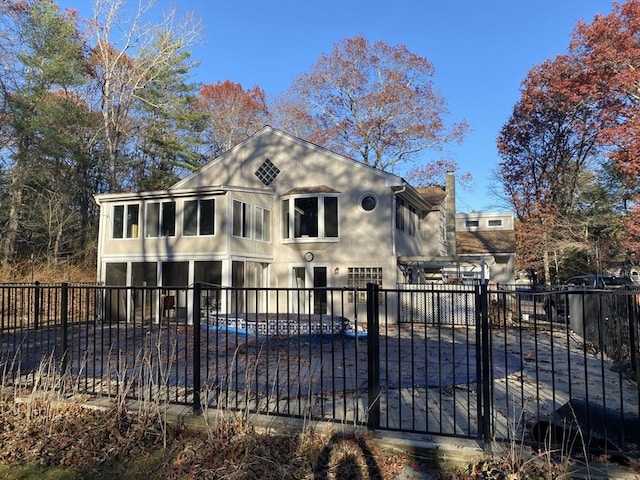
(313, 216)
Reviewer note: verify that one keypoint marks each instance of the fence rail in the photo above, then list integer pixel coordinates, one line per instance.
(467, 362)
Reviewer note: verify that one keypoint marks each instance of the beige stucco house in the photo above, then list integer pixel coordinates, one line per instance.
(276, 211)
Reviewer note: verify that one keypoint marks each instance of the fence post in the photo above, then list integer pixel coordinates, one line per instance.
(36, 307)
(64, 305)
(373, 356)
(197, 295)
(486, 381)
(632, 301)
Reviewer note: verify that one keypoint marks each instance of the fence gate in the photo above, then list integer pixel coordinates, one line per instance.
(429, 371)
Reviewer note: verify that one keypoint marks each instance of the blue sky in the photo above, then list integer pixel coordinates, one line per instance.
(481, 51)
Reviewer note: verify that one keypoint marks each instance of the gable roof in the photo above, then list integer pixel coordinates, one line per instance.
(483, 242)
(257, 145)
(268, 130)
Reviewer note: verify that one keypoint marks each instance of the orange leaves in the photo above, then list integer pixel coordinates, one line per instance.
(608, 51)
(372, 101)
(234, 113)
(229, 95)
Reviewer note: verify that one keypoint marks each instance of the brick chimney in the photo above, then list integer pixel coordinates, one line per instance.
(450, 213)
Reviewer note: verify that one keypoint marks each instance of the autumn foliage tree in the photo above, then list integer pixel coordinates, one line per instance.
(608, 50)
(233, 113)
(546, 147)
(601, 83)
(370, 101)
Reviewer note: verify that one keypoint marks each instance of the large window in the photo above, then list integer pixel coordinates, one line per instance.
(198, 217)
(412, 221)
(209, 273)
(125, 221)
(241, 219)
(161, 219)
(305, 217)
(310, 217)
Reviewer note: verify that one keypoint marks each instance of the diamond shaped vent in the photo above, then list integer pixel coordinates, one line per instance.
(267, 172)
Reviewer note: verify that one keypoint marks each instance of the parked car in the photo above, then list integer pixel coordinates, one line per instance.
(602, 282)
(556, 303)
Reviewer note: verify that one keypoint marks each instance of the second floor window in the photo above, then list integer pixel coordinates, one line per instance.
(241, 219)
(126, 221)
(198, 217)
(310, 217)
(406, 217)
(161, 219)
(263, 224)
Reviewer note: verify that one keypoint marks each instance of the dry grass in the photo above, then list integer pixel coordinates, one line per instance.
(66, 440)
(50, 272)
(89, 443)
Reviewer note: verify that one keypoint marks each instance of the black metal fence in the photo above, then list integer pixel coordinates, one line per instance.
(467, 362)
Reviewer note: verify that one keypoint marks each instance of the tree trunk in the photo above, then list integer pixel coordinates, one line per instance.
(546, 263)
(15, 199)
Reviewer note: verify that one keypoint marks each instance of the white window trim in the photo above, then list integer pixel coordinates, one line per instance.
(246, 222)
(158, 233)
(199, 215)
(365, 195)
(321, 227)
(125, 206)
(261, 212)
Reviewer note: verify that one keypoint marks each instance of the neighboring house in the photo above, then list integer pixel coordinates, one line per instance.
(477, 246)
(486, 239)
(275, 211)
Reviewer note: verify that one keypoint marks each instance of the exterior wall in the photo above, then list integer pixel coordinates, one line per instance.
(366, 238)
(484, 220)
(434, 233)
(503, 271)
(365, 250)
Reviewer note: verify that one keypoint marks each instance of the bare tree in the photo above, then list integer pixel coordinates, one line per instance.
(129, 55)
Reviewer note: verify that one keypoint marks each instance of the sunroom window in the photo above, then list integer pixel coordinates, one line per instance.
(263, 224)
(126, 221)
(241, 225)
(198, 217)
(160, 219)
